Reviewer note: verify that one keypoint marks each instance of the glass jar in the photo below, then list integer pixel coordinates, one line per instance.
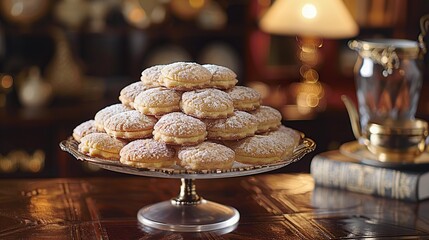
(388, 79)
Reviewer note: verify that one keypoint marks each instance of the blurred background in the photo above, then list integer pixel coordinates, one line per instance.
(61, 61)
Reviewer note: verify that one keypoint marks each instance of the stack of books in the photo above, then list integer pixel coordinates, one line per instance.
(336, 170)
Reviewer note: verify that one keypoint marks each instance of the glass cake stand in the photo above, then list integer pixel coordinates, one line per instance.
(188, 212)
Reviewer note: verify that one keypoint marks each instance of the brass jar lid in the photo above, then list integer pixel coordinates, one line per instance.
(406, 127)
(403, 47)
(386, 52)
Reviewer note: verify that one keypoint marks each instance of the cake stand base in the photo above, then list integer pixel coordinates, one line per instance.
(188, 212)
(205, 216)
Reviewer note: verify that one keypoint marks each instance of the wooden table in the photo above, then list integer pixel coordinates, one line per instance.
(272, 206)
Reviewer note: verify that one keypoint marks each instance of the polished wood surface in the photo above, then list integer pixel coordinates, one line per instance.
(272, 206)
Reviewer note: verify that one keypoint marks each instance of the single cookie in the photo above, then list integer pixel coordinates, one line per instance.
(147, 153)
(185, 76)
(158, 101)
(245, 98)
(130, 125)
(206, 156)
(84, 129)
(178, 128)
(107, 112)
(207, 103)
(129, 93)
(151, 76)
(222, 77)
(260, 149)
(101, 145)
(285, 134)
(268, 118)
(239, 125)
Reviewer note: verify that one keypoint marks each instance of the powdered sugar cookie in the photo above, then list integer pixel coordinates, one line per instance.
(239, 125)
(245, 98)
(206, 156)
(145, 153)
(268, 118)
(158, 101)
(260, 149)
(284, 134)
(107, 112)
(207, 103)
(178, 128)
(222, 77)
(185, 76)
(84, 129)
(101, 145)
(129, 93)
(151, 76)
(130, 125)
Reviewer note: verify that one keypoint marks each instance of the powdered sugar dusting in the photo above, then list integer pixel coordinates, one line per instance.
(109, 111)
(131, 91)
(186, 71)
(158, 97)
(180, 124)
(146, 150)
(207, 100)
(150, 76)
(286, 135)
(266, 114)
(261, 145)
(220, 73)
(85, 128)
(240, 120)
(130, 121)
(103, 142)
(242, 93)
(206, 152)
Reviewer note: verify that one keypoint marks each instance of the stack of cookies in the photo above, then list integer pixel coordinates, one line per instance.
(187, 115)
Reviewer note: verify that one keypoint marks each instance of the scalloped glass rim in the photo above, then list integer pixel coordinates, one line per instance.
(306, 146)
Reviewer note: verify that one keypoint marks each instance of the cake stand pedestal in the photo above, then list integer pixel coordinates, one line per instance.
(188, 212)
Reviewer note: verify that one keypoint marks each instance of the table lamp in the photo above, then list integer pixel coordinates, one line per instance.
(310, 21)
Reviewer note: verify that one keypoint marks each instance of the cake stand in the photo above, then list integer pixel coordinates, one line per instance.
(188, 212)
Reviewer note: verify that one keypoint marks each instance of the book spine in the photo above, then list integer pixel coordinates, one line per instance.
(365, 179)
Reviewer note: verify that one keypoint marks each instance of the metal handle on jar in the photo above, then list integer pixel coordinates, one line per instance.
(424, 28)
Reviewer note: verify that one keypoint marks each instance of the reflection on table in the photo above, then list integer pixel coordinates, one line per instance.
(272, 206)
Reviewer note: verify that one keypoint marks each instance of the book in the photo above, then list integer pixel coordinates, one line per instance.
(406, 215)
(333, 169)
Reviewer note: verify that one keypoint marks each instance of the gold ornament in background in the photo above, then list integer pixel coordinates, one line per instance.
(34, 91)
(187, 9)
(141, 14)
(71, 13)
(24, 12)
(63, 72)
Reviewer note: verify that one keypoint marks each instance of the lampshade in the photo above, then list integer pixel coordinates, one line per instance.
(318, 18)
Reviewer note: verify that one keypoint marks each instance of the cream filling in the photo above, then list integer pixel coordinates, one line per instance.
(178, 140)
(202, 113)
(268, 126)
(223, 83)
(246, 105)
(158, 110)
(194, 165)
(125, 101)
(129, 134)
(225, 134)
(148, 165)
(168, 82)
(76, 137)
(257, 160)
(99, 126)
(98, 153)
